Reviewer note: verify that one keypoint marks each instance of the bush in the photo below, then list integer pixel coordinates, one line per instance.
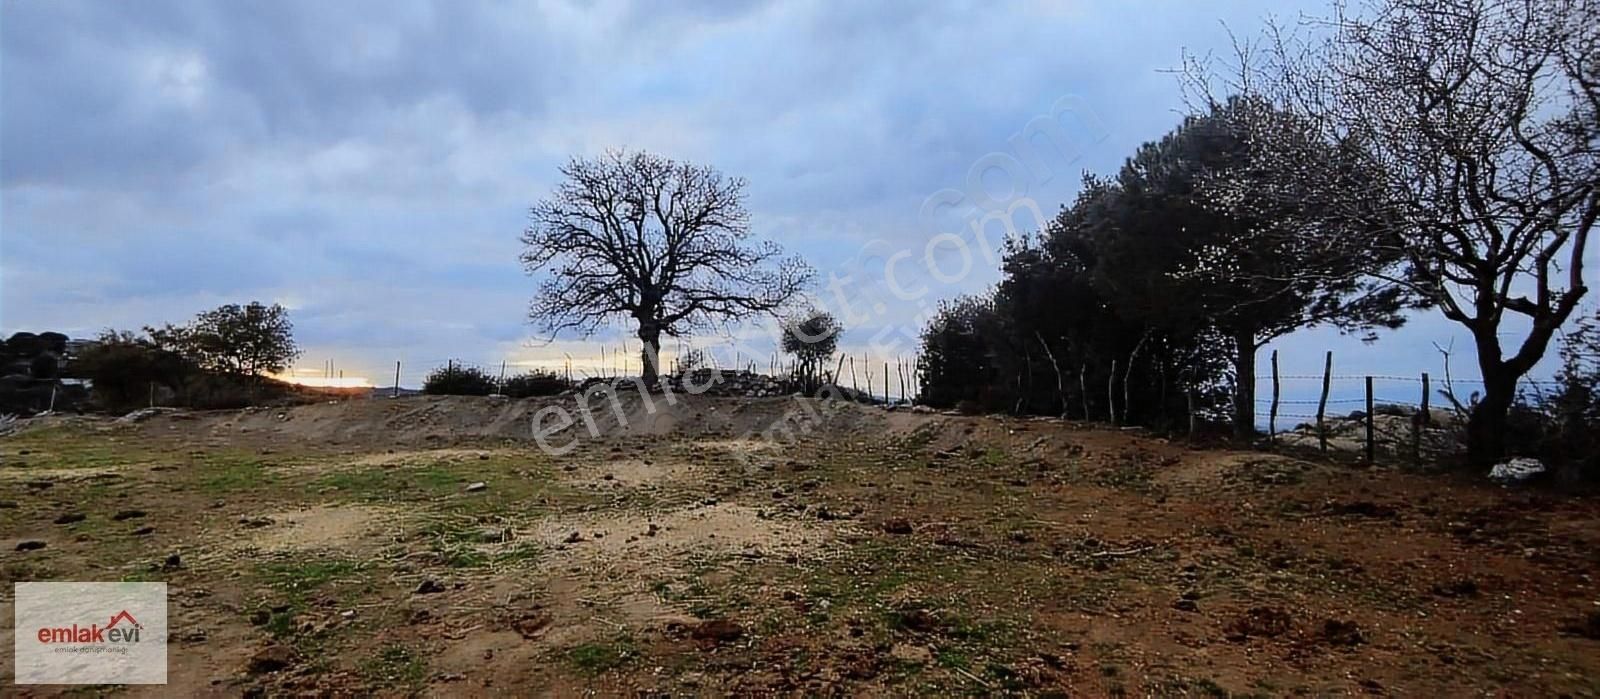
(535, 383)
(458, 381)
(125, 368)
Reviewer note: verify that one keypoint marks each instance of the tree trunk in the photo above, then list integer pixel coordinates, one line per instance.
(650, 352)
(1486, 423)
(1244, 385)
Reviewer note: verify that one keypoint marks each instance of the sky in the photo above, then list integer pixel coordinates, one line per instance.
(370, 164)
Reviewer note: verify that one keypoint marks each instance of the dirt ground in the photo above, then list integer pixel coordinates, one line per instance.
(694, 550)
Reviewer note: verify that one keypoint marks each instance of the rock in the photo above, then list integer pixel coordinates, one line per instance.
(1464, 587)
(40, 485)
(495, 535)
(125, 515)
(260, 617)
(897, 525)
(1516, 470)
(8, 505)
(532, 625)
(144, 531)
(1342, 633)
(1265, 622)
(30, 545)
(1186, 605)
(715, 632)
(428, 587)
(477, 486)
(270, 659)
(172, 562)
(572, 538)
(919, 620)
(256, 522)
(1588, 626)
(923, 410)
(653, 530)
(143, 414)
(913, 654)
(70, 518)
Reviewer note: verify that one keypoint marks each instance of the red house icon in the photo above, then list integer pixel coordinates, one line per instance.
(119, 617)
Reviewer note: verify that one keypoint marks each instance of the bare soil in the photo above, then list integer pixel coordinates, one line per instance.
(693, 549)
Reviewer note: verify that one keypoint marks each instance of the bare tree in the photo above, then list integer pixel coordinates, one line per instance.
(645, 237)
(1483, 119)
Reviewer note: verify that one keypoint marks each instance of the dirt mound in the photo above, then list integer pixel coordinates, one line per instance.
(414, 419)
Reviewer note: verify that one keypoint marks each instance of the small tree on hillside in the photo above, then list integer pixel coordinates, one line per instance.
(248, 340)
(663, 243)
(812, 340)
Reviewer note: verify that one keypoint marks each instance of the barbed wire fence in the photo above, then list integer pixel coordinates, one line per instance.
(1372, 394)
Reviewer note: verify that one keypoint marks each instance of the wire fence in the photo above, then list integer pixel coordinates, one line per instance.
(885, 378)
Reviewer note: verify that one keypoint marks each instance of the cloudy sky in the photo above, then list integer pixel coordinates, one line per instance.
(369, 165)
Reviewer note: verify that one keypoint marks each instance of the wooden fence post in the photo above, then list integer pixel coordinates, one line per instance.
(396, 393)
(1111, 393)
(1322, 403)
(1371, 445)
(1189, 397)
(1427, 415)
(1418, 422)
(1083, 390)
(1272, 415)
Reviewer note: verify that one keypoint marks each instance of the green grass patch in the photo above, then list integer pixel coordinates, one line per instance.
(396, 666)
(598, 658)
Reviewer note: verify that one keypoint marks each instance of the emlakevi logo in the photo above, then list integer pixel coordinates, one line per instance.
(95, 633)
(91, 633)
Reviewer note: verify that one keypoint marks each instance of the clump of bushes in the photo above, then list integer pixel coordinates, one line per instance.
(538, 382)
(456, 380)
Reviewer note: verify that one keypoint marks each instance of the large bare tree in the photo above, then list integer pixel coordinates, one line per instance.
(667, 244)
(1483, 119)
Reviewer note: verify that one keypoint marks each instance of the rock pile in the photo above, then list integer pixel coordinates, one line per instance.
(1392, 427)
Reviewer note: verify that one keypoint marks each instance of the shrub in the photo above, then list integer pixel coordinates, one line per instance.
(125, 369)
(458, 381)
(538, 382)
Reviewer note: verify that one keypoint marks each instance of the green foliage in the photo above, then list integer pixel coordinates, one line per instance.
(1155, 284)
(455, 380)
(538, 382)
(812, 340)
(248, 340)
(125, 368)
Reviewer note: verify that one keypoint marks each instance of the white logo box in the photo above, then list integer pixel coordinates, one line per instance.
(90, 633)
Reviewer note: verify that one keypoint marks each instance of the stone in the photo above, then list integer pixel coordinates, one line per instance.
(30, 545)
(1516, 470)
(127, 515)
(477, 486)
(911, 653)
(70, 518)
(428, 587)
(897, 525)
(273, 658)
(715, 632)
